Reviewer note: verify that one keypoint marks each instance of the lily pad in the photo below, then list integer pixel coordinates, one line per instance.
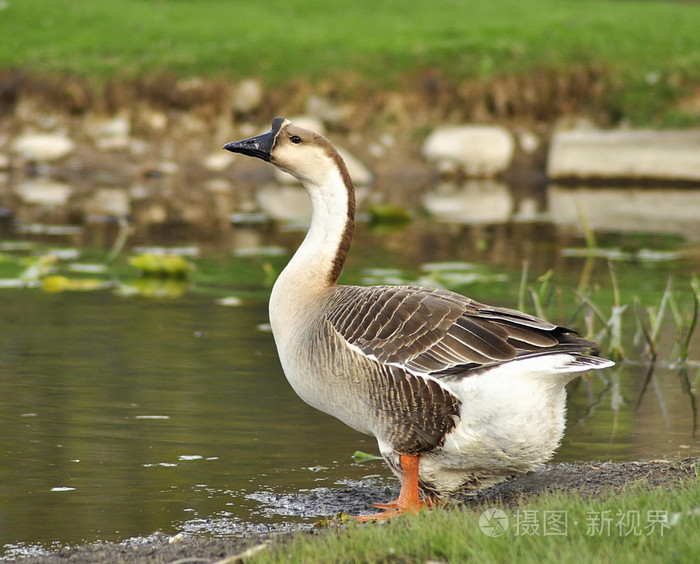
(164, 266)
(388, 214)
(59, 283)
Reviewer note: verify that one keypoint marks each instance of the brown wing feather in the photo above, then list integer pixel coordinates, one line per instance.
(436, 331)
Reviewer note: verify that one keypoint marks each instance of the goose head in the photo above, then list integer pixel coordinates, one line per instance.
(305, 154)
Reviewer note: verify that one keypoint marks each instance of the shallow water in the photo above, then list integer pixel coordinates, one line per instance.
(121, 415)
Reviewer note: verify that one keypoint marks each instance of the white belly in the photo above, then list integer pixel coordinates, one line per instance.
(512, 419)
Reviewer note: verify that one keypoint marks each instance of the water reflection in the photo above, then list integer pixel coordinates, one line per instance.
(628, 209)
(474, 202)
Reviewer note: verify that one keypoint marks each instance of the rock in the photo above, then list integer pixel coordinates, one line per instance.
(168, 167)
(528, 141)
(667, 155)
(478, 150)
(218, 161)
(248, 96)
(309, 122)
(108, 202)
(360, 174)
(139, 147)
(43, 147)
(284, 203)
(380, 149)
(150, 213)
(44, 192)
(4, 162)
(328, 110)
(156, 121)
(191, 124)
(218, 186)
(109, 134)
(139, 192)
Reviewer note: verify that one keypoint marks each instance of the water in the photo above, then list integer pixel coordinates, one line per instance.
(121, 415)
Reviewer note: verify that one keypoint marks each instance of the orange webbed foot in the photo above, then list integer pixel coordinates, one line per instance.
(409, 498)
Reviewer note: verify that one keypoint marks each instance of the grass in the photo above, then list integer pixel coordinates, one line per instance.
(654, 43)
(637, 525)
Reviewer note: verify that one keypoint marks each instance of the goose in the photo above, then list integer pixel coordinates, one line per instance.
(459, 395)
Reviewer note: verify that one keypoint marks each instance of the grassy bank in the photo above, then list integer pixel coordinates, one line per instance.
(651, 49)
(638, 525)
(282, 40)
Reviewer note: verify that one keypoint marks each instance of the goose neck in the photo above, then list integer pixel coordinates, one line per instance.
(319, 260)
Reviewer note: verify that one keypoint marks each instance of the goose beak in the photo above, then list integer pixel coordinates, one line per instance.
(258, 146)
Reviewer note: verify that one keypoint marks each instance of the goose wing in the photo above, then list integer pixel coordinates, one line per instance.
(438, 332)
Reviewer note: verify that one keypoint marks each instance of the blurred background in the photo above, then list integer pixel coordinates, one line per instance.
(540, 154)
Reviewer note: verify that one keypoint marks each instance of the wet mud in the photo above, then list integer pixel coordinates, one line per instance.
(589, 479)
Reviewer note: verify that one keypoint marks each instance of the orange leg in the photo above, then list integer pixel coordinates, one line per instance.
(409, 498)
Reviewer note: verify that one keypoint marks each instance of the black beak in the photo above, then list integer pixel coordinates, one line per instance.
(259, 146)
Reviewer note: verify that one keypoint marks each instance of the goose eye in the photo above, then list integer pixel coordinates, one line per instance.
(295, 139)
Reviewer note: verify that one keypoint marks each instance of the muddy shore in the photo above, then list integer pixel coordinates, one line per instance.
(588, 479)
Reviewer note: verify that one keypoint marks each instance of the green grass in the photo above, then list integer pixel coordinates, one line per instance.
(378, 39)
(598, 530)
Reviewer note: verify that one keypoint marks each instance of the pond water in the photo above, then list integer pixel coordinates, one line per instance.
(122, 413)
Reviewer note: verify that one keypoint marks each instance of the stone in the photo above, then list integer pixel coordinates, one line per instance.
(284, 203)
(636, 154)
(43, 191)
(156, 121)
(479, 150)
(528, 141)
(150, 212)
(218, 161)
(139, 147)
(309, 122)
(328, 110)
(168, 167)
(108, 202)
(43, 147)
(360, 174)
(218, 186)
(248, 95)
(109, 134)
(139, 192)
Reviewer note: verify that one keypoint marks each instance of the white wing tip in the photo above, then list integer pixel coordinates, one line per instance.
(583, 363)
(559, 363)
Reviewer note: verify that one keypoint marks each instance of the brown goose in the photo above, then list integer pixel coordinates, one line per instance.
(459, 395)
